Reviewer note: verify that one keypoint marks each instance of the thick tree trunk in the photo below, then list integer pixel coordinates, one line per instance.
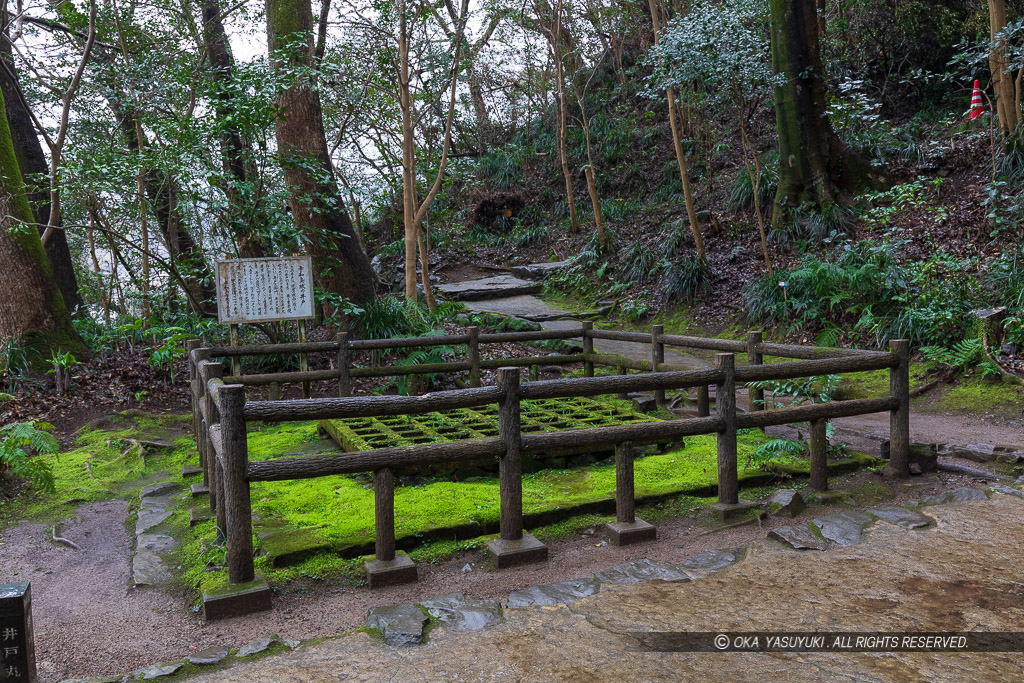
(1007, 94)
(340, 264)
(32, 162)
(31, 307)
(815, 166)
(246, 209)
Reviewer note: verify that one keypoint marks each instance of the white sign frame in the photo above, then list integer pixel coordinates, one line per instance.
(260, 290)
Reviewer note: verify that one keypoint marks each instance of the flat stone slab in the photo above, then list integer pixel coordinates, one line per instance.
(198, 515)
(462, 613)
(160, 489)
(964, 494)
(496, 287)
(512, 553)
(157, 543)
(256, 646)
(190, 470)
(786, 503)
(150, 518)
(380, 573)
(799, 536)
(199, 490)
(210, 655)
(902, 517)
(237, 599)
(401, 624)
(1007, 490)
(714, 560)
(157, 670)
(538, 271)
(642, 571)
(845, 528)
(561, 593)
(148, 568)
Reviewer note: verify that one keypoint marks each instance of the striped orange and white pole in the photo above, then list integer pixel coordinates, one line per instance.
(977, 107)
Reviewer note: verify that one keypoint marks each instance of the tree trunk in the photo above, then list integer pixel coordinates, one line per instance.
(339, 262)
(246, 207)
(815, 166)
(684, 171)
(559, 56)
(32, 162)
(1007, 98)
(162, 192)
(31, 307)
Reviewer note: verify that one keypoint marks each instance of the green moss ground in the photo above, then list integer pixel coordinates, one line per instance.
(113, 475)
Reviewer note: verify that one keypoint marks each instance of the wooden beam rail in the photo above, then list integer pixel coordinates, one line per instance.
(221, 414)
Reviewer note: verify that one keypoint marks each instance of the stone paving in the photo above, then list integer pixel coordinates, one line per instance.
(948, 565)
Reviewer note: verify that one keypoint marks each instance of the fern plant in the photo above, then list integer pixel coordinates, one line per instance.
(18, 442)
(964, 356)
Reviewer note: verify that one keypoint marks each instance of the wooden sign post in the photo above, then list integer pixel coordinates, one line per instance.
(17, 650)
(262, 290)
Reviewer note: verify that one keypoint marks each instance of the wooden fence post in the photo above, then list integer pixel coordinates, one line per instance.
(819, 455)
(514, 547)
(236, 501)
(627, 529)
(754, 357)
(211, 465)
(203, 373)
(344, 363)
(621, 370)
(473, 353)
(588, 348)
(193, 374)
(388, 567)
(657, 358)
(899, 419)
(703, 402)
(233, 340)
(725, 406)
(303, 359)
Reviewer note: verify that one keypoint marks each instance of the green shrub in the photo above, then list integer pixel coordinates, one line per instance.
(684, 280)
(18, 442)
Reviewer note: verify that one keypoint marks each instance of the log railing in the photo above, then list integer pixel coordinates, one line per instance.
(221, 413)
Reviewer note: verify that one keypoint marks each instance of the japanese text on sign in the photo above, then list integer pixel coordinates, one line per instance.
(264, 289)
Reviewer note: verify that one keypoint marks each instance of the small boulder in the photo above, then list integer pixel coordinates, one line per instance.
(786, 503)
(210, 655)
(256, 645)
(799, 536)
(158, 670)
(401, 624)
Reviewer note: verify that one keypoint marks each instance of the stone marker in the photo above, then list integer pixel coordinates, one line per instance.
(786, 503)
(17, 646)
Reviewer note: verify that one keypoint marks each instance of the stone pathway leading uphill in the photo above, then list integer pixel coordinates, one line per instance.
(949, 563)
(515, 296)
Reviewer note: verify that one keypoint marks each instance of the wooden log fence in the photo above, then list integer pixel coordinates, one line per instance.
(221, 414)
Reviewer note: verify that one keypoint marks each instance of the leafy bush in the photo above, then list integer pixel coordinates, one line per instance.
(963, 356)
(684, 280)
(741, 196)
(863, 288)
(856, 119)
(638, 262)
(18, 442)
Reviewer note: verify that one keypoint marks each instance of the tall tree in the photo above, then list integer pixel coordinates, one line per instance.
(242, 179)
(684, 171)
(1007, 89)
(815, 166)
(32, 163)
(31, 308)
(340, 264)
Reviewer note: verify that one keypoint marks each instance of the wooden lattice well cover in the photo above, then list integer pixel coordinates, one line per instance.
(549, 415)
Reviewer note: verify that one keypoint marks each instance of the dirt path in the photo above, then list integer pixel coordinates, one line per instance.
(89, 623)
(894, 580)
